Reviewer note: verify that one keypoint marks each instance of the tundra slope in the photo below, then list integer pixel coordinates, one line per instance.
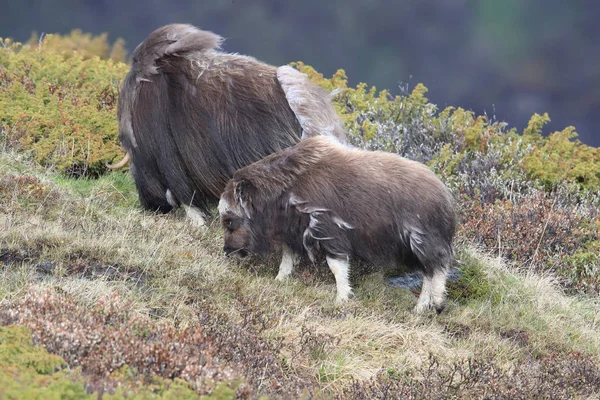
(324, 198)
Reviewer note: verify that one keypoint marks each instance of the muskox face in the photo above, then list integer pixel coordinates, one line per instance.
(238, 236)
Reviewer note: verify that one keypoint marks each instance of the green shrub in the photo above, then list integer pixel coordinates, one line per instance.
(16, 349)
(62, 108)
(28, 371)
(83, 43)
(561, 157)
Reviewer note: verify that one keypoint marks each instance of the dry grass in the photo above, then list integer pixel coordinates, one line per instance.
(90, 243)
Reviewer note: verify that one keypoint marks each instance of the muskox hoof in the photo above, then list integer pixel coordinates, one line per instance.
(282, 277)
(440, 307)
(343, 298)
(195, 217)
(420, 308)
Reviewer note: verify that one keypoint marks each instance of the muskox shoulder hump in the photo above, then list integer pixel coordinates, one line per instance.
(189, 38)
(169, 40)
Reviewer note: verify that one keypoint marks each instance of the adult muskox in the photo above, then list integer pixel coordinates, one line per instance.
(323, 198)
(190, 115)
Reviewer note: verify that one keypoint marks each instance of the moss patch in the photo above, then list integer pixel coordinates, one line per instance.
(473, 283)
(30, 372)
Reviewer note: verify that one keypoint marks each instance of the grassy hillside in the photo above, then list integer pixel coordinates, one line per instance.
(99, 297)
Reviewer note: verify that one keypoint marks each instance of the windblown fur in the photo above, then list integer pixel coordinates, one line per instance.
(191, 115)
(322, 198)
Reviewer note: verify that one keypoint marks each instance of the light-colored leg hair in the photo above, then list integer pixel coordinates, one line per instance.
(197, 217)
(424, 301)
(288, 261)
(340, 269)
(171, 199)
(438, 289)
(433, 292)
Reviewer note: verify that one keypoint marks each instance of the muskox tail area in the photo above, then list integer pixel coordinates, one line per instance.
(311, 104)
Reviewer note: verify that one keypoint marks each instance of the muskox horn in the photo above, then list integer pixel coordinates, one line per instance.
(120, 164)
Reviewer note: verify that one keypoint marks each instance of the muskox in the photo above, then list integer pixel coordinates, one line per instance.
(323, 198)
(191, 115)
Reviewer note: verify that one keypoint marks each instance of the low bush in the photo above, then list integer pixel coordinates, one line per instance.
(565, 377)
(60, 107)
(85, 44)
(212, 356)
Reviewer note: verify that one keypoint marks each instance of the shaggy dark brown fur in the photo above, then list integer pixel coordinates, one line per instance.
(323, 198)
(190, 115)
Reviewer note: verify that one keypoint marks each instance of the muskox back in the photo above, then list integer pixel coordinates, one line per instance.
(401, 212)
(191, 115)
(323, 198)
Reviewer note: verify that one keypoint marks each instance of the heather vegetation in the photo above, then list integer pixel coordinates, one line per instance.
(98, 297)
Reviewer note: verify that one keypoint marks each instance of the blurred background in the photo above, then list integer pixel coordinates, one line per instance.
(506, 58)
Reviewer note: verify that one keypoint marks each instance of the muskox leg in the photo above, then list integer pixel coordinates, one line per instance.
(288, 260)
(196, 217)
(340, 268)
(424, 301)
(438, 290)
(171, 199)
(433, 292)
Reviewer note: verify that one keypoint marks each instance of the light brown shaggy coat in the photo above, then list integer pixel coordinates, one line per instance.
(323, 198)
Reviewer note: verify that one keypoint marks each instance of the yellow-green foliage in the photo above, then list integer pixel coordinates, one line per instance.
(362, 97)
(550, 159)
(561, 156)
(83, 43)
(62, 107)
(30, 372)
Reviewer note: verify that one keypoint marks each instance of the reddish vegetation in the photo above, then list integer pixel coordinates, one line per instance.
(550, 378)
(104, 338)
(26, 188)
(535, 231)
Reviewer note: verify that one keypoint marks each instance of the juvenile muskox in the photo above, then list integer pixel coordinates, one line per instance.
(190, 115)
(323, 198)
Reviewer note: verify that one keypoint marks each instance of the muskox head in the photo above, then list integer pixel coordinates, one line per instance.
(239, 220)
(238, 236)
(257, 206)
